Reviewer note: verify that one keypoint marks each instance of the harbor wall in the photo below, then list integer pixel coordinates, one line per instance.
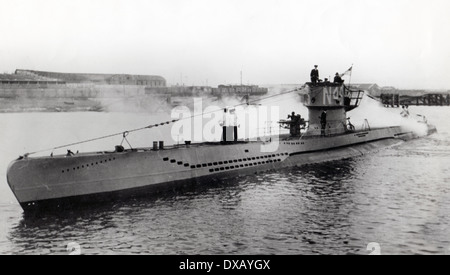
(38, 97)
(14, 105)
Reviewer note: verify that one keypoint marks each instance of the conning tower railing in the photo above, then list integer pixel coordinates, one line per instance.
(352, 98)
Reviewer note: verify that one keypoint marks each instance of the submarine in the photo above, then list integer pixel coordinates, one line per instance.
(60, 181)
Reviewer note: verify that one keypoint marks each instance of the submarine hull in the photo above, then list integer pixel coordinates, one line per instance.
(66, 181)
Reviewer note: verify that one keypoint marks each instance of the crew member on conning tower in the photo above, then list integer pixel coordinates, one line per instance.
(315, 74)
(338, 79)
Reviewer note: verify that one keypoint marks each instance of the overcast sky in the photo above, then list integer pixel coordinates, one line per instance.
(402, 43)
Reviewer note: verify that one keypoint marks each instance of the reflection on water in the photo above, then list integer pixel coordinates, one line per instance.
(398, 197)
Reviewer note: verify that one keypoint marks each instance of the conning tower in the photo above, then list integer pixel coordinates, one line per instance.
(328, 104)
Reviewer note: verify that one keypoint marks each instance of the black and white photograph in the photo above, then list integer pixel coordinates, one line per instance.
(224, 128)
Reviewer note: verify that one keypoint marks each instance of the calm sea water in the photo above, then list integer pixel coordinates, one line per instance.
(397, 197)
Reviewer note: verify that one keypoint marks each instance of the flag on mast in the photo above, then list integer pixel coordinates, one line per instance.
(349, 71)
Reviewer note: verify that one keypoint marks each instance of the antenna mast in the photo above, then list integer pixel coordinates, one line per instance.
(350, 80)
(241, 78)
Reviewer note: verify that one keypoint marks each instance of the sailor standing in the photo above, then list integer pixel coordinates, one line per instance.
(323, 122)
(338, 79)
(315, 74)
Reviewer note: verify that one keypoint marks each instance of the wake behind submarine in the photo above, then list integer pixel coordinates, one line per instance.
(59, 181)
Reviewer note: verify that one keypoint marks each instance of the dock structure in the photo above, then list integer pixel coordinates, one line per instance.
(397, 100)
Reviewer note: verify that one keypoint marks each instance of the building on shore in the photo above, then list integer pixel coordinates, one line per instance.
(108, 79)
(26, 89)
(372, 88)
